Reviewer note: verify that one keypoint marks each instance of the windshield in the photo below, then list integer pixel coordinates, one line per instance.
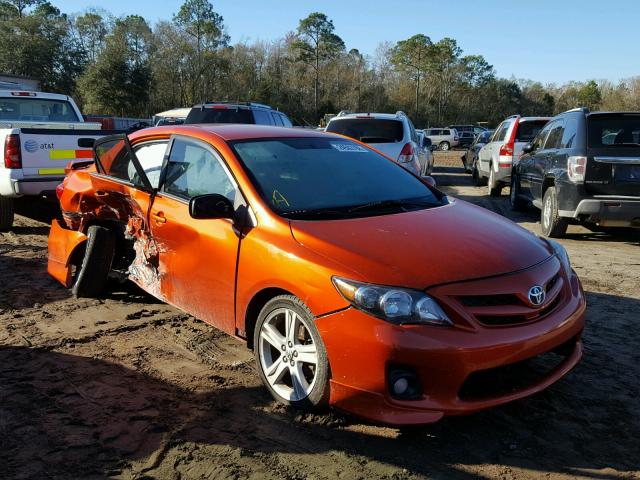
(614, 131)
(28, 109)
(368, 130)
(220, 114)
(315, 178)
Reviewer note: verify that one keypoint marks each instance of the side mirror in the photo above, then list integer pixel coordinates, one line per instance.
(429, 180)
(528, 148)
(426, 142)
(212, 205)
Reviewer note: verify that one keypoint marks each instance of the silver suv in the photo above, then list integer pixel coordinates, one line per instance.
(393, 134)
(443, 138)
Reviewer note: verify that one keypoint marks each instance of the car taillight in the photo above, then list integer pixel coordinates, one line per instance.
(60, 190)
(12, 156)
(406, 154)
(506, 150)
(576, 166)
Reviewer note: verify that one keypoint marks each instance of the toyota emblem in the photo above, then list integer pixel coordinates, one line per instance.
(536, 295)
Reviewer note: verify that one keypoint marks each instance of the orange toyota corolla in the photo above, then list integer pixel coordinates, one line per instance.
(356, 283)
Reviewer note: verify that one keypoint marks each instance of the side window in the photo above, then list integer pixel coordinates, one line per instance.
(412, 131)
(502, 133)
(194, 170)
(556, 132)
(570, 132)
(114, 161)
(150, 155)
(497, 131)
(277, 121)
(285, 120)
(261, 117)
(541, 137)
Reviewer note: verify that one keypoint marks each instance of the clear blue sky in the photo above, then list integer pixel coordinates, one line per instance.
(545, 40)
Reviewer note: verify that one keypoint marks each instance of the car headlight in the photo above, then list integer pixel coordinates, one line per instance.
(401, 306)
(562, 255)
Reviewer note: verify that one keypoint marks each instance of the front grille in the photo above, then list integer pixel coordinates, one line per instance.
(509, 379)
(502, 320)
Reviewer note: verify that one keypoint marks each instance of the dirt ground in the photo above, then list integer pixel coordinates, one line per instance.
(127, 387)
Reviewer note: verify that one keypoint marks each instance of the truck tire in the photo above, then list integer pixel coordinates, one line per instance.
(91, 279)
(6, 213)
(551, 223)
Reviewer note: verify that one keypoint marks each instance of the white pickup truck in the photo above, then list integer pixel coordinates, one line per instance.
(41, 133)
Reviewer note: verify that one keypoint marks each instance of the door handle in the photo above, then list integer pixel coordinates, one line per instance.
(159, 217)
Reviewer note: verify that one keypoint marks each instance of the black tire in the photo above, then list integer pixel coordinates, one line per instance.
(478, 181)
(444, 146)
(517, 203)
(493, 186)
(92, 276)
(318, 397)
(551, 223)
(6, 213)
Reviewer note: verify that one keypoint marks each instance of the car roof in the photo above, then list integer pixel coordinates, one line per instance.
(232, 131)
(530, 119)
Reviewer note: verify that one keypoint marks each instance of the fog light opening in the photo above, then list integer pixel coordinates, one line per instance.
(403, 384)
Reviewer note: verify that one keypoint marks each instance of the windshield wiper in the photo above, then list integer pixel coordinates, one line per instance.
(382, 204)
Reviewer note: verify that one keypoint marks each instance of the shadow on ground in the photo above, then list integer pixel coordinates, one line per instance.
(67, 416)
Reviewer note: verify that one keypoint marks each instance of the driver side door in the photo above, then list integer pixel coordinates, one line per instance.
(197, 257)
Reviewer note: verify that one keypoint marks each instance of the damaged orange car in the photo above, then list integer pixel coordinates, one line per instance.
(356, 283)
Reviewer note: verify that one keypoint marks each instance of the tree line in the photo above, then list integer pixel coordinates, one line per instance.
(125, 66)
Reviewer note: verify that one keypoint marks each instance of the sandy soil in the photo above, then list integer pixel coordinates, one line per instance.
(126, 387)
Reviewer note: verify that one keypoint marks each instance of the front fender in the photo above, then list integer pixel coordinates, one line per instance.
(62, 243)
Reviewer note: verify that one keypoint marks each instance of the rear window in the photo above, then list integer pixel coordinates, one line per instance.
(36, 110)
(528, 130)
(366, 130)
(613, 131)
(220, 115)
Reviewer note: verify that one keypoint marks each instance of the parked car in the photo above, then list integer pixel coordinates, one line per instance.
(444, 138)
(237, 112)
(583, 167)
(390, 133)
(475, 129)
(41, 133)
(495, 159)
(426, 157)
(175, 116)
(471, 155)
(355, 282)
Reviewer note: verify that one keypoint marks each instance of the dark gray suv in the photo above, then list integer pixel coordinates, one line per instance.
(582, 167)
(239, 112)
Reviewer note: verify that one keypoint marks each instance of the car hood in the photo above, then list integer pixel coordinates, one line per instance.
(423, 248)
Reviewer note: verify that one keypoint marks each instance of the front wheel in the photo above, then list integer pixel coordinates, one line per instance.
(290, 354)
(552, 224)
(93, 274)
(6, 213)
(444, 146)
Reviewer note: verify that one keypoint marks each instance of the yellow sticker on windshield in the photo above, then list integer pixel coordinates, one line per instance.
(278, 199)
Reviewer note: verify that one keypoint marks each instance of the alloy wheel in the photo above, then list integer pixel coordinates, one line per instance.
(288, 355)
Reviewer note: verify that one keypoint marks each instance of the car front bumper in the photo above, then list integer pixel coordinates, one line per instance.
(362, 348)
